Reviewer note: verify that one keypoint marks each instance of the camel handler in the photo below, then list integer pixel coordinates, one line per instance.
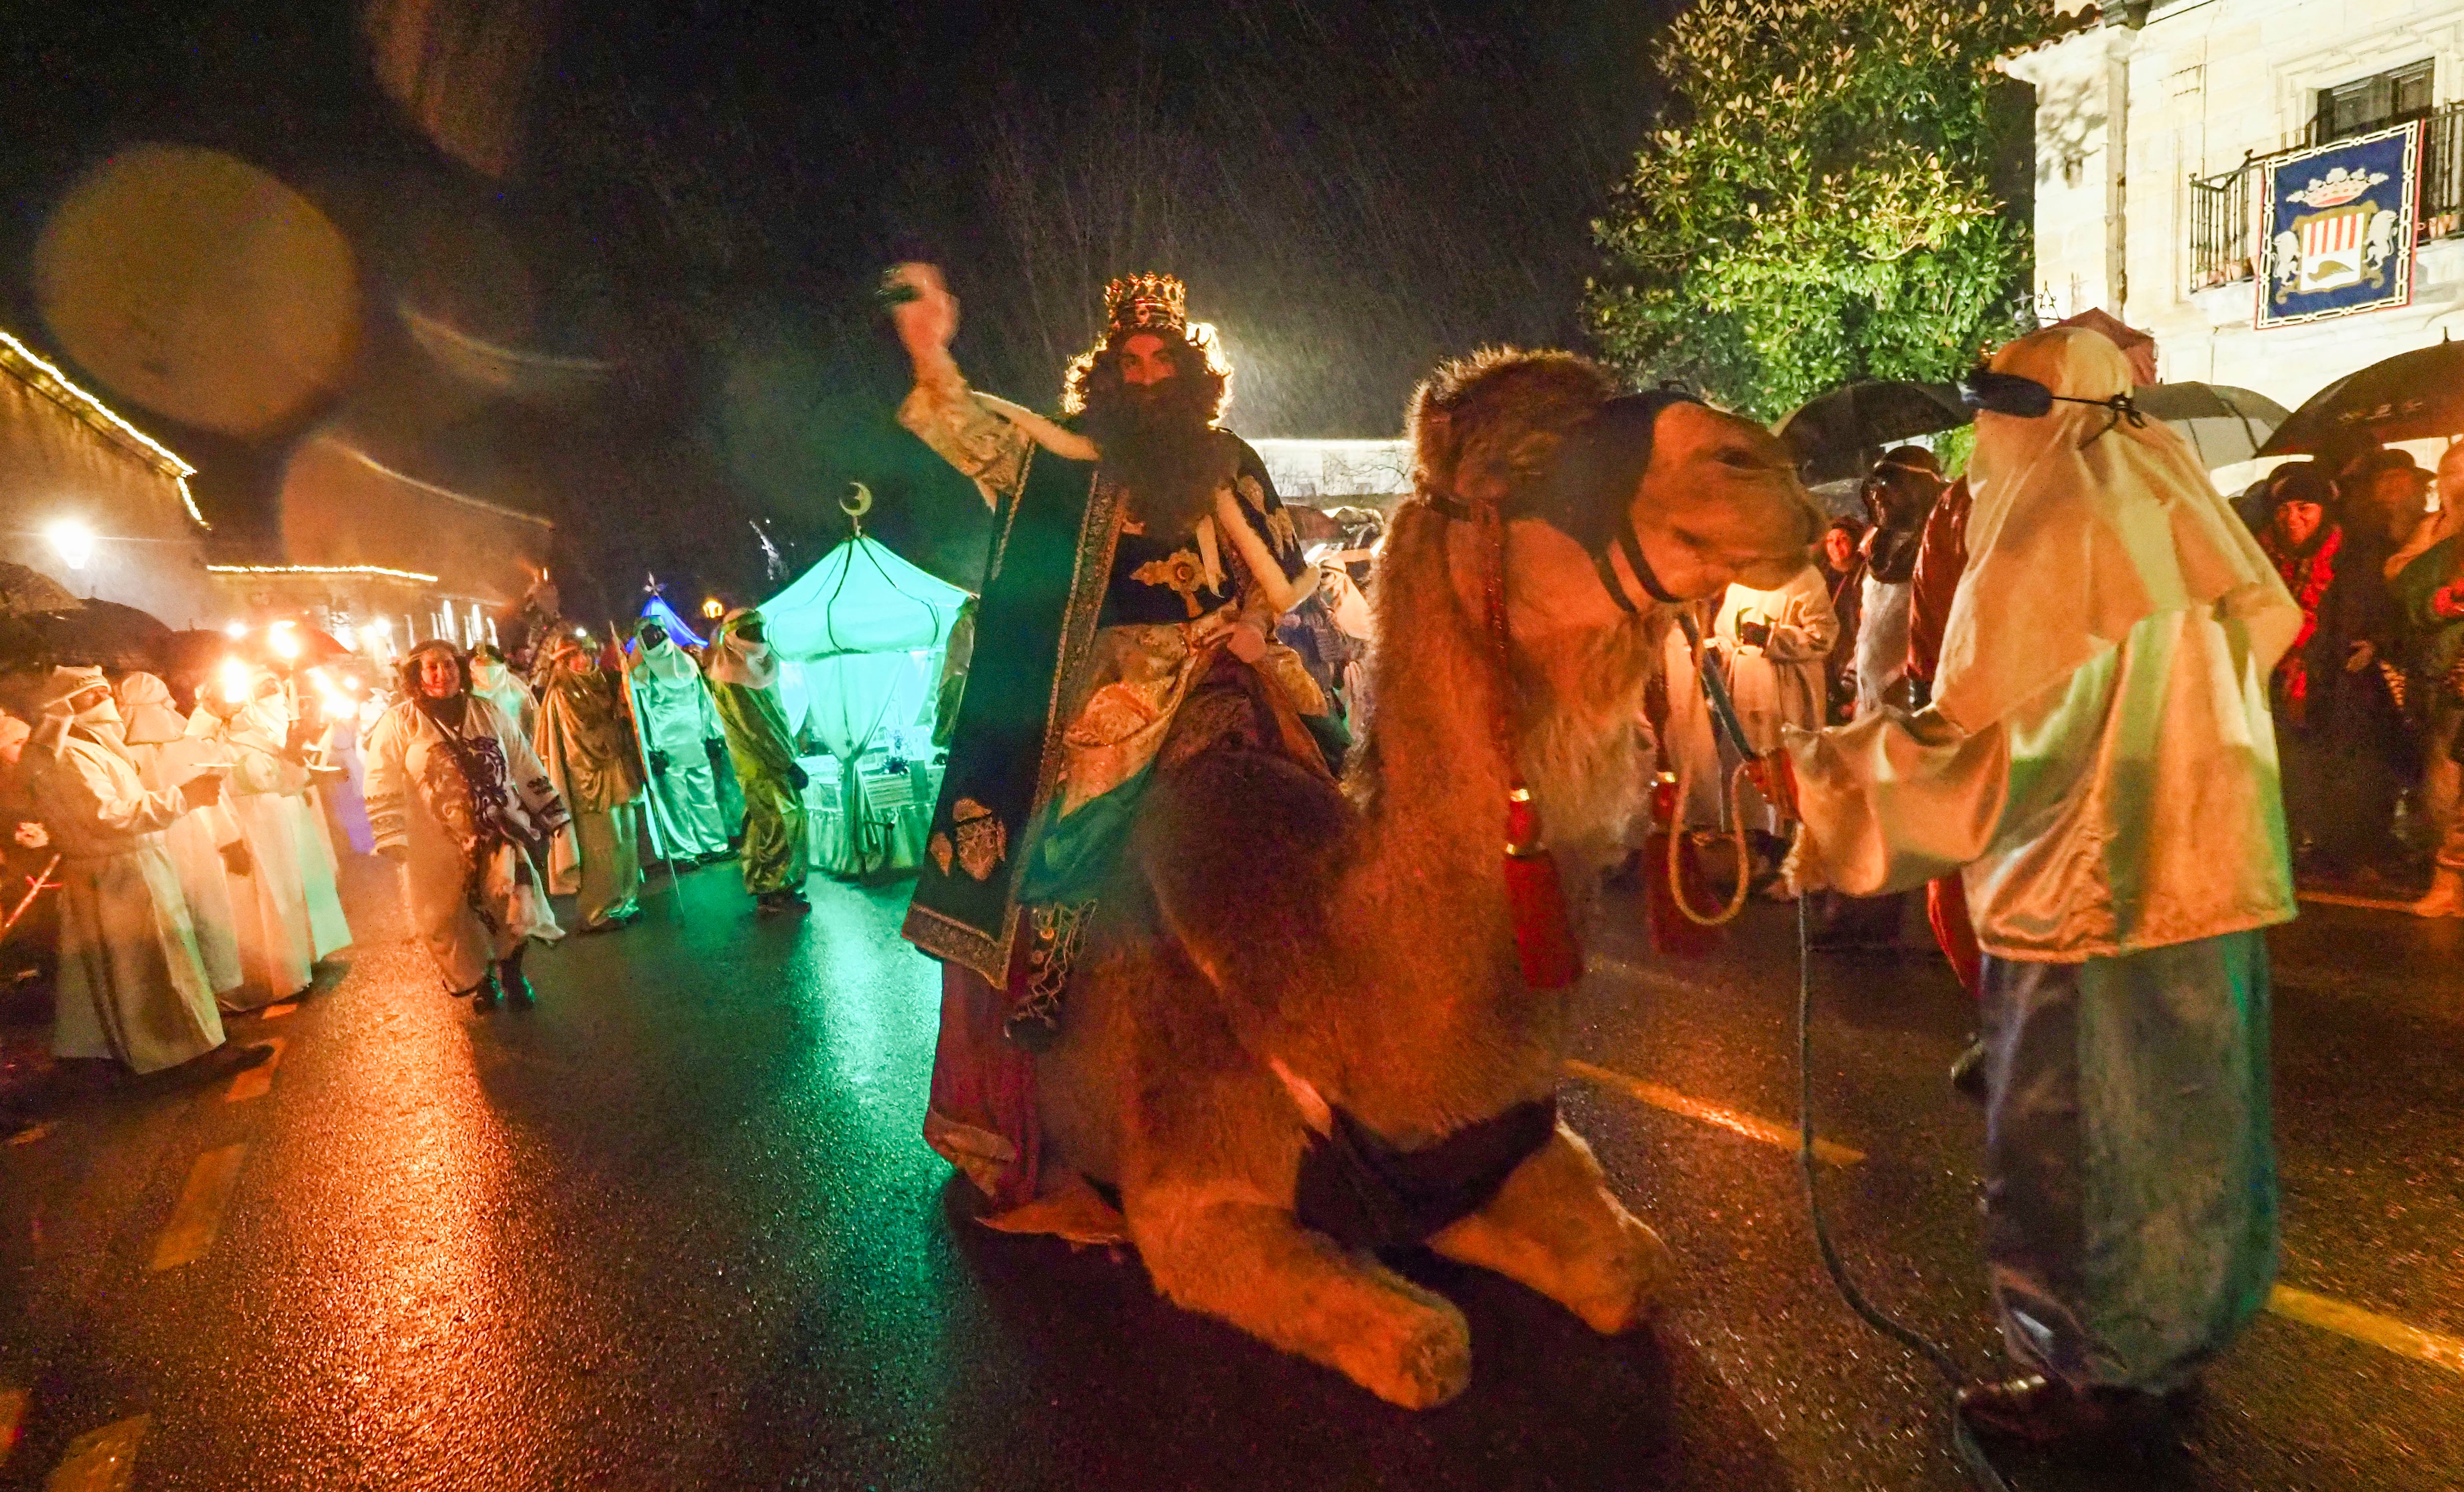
(2100, 758)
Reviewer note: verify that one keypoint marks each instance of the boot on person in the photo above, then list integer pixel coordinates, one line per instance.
(2446, 897)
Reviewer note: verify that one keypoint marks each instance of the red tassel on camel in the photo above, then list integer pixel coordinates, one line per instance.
(1543, 934)
(1673, 933)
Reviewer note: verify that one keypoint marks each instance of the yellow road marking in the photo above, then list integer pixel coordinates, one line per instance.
(101, 1460)
(12, 1414)
(2376, 903)
(29, 1134)
(198, 1215)
(277, 1011)
(1728, 1118)
(258, 1081)
(2381, 1332)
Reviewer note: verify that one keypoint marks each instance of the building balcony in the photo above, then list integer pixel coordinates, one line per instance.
(2227, 240)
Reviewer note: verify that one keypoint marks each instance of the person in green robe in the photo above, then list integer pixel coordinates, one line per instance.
(744, 685)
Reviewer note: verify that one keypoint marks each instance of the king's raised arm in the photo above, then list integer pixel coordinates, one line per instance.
(987, 438)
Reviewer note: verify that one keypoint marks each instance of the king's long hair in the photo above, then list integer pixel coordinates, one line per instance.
(1157, 440)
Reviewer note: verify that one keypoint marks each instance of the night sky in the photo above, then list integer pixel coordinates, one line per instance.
(702, 193)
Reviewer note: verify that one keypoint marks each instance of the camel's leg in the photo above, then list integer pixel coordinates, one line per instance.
(1255, 1266)
(1555, 1226)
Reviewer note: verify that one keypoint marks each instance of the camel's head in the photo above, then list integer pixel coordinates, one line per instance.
(1658, 496)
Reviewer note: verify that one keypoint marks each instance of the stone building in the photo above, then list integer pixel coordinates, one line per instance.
(92, 502)
(2157, 125)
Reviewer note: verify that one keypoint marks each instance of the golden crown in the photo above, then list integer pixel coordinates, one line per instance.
(1146, 303)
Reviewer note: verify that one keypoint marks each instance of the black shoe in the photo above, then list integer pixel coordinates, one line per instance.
(484, 996)
(1967, 1071)
(228, 1058)
(782, 901)
(516, 987)
(2042, 1412)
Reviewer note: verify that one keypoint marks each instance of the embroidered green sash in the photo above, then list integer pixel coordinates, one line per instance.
(1044, 592)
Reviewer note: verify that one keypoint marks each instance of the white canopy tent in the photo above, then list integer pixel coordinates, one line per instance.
(860, 638)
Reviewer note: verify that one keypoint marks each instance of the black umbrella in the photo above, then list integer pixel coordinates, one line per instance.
(2416, 395)
(1837, 435)
(23, 590)
(102, 633)
(2223, 424)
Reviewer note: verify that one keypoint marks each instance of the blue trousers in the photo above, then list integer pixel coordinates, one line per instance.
(2130, 1171)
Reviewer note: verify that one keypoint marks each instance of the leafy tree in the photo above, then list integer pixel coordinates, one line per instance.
(1821, 205)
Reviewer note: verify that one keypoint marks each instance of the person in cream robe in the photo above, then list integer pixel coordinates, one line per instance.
(2099, 765)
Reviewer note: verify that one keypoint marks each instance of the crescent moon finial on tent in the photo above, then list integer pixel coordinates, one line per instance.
(857, 502)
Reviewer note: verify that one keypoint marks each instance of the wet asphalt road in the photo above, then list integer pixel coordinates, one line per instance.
(674, 1228)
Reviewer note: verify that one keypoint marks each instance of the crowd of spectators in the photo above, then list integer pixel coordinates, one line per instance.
(2367, 701)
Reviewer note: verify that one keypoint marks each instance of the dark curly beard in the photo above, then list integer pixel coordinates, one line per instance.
(1159, 444)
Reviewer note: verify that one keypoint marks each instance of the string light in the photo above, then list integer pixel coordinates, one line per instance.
(179, 471)
(321, 569)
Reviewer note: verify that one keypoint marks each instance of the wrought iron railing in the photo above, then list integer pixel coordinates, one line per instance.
(2226, 239)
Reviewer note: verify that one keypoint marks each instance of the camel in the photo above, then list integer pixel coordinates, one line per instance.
(1274, 952)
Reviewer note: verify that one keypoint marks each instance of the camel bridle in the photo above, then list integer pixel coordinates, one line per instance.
(1575, 508)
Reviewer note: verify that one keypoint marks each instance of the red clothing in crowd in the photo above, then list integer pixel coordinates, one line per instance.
(1941, 556)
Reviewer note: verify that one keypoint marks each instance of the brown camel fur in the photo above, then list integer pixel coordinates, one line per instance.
(1359, 939)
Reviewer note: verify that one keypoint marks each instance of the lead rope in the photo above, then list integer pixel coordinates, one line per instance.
(1972, 1460)
(1963, 1440)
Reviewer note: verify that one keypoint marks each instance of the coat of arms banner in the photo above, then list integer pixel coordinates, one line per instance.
(2340, 222)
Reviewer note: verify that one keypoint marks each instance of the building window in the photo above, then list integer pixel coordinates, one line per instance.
(2368, 104)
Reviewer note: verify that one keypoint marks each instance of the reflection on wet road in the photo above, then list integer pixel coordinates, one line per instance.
(675, 1228)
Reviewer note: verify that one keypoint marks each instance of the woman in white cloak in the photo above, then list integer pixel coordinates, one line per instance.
(2099, 765)
(269, 902)
(205, 845)
(131, 986)
(458, 799)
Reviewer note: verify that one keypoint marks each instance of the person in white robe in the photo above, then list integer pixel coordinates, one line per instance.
(2100, 763)
(342, 789)
(206, 844)
(1773, 650)
(678, 727)
(494, 680)
(270, 914)
(458, 799)
(131, 987)
(275, 716)
(1776, 645)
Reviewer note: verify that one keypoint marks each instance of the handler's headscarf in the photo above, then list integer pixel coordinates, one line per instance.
(2085, 524)
(734, 660)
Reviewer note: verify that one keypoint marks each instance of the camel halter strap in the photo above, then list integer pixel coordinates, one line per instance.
(1570, 503)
